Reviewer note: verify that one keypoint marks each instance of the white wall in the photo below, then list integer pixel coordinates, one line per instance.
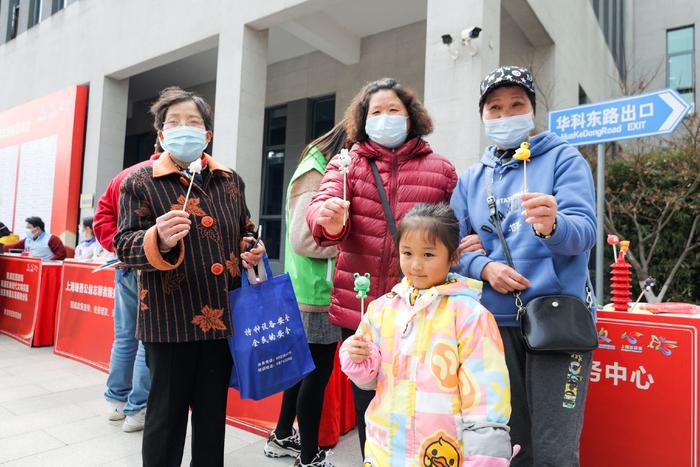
(647, 52)
(398, 53)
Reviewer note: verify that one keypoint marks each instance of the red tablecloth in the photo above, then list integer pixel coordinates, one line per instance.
(642, 407)
(28, 297)
(85, 324)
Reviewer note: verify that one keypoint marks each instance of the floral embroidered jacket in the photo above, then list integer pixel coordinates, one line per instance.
(184, 293)
(443, 394)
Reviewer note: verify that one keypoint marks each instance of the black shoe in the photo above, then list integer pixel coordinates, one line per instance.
(289, 446)
(321, 460)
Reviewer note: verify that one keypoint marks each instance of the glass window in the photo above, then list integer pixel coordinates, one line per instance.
(322, 116)
(277, 126)
(680, 66)
(272, 236)
(680, 71)
(34, 12)
(272, 195)
(680, 40)
(57, 5)
(14, 20)
(274, 181)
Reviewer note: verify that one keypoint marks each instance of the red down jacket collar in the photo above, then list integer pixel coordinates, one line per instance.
(415, 147)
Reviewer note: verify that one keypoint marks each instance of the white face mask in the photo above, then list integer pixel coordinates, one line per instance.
(509, 132)
(387, 130)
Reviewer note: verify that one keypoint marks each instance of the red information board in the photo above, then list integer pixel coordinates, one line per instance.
(642, 401)
(20, 283)
(85, 325)
(47, 134)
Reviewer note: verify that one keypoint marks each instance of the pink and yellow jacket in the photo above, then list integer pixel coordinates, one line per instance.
(443, 394)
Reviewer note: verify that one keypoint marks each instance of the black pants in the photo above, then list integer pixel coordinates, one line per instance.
(548, 399)
(362, 399)
(188, 375)
(304, 401)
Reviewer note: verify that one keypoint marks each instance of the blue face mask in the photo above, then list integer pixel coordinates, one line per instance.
(509, 132)
(387, 130)
(185, 143)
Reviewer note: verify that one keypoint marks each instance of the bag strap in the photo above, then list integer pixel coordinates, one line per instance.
(385, 201)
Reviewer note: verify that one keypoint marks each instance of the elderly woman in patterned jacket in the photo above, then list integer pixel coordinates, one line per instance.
(188, 259)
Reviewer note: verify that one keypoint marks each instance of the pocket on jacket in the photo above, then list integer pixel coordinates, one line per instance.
(541, 274)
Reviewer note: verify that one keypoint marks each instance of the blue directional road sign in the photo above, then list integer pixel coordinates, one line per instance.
(656, 113)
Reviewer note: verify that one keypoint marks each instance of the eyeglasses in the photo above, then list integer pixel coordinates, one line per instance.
(193, 122)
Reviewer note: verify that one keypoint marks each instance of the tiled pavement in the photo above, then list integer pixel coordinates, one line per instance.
(52, 414)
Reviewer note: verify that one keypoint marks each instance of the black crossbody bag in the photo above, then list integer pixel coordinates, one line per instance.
(551, 323)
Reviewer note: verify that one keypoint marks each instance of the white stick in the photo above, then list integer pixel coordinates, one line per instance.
(525, 176)
(184, 205)
(345, 188)
(362, 307)
(614, 252)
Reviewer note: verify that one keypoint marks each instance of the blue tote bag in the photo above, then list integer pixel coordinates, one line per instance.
(269, 347)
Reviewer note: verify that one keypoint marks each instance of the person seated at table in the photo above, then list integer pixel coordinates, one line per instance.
(6, 236)
(39, 243)
(88, 248)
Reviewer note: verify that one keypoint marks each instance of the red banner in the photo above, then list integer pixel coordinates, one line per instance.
(85, 325)
(45, 133)
(20, 283)
(642, 402)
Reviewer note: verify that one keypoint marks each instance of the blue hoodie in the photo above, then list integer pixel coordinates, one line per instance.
(556, 265)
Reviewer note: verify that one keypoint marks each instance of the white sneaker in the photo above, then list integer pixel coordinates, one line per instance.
(116, 410)
(135, 422)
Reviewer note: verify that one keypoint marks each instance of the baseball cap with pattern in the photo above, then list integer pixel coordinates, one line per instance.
(506, 75)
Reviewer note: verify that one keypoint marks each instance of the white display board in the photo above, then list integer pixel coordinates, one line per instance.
(8, 182)
(35, 181)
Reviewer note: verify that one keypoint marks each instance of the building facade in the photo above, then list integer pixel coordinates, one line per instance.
(280, 72)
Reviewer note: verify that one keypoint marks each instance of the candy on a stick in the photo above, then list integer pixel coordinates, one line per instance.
(344, 164)
(194, 168)
(646, 286)
(624, 247)
(523, 154)
(361, 287)
(614, 240)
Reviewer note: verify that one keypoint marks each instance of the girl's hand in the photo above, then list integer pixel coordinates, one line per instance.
(540, 211)
(471, 244)
(358, 350)
(503, 279)
(332, 214)
(252, 257)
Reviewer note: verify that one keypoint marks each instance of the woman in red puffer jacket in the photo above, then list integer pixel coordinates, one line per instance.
(387, 122)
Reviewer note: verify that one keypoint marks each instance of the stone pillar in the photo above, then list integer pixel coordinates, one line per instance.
(452, 85)
(46, 7)
(4, 21)
(241, 77)
(105, 134)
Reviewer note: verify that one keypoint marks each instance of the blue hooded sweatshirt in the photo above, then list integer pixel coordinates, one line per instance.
(556, 265)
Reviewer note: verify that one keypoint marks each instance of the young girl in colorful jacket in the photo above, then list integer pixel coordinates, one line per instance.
(435, 357)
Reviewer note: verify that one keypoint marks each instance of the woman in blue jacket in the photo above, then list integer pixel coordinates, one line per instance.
(550, 231)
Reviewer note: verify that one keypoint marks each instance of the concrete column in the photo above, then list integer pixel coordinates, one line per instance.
(4, 20)
(241, 77)
(46, 9)
(105, 133)
(452, 85)
(24, 7)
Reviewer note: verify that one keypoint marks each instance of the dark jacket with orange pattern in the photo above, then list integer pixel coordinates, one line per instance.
(184, 293)
(411, 174)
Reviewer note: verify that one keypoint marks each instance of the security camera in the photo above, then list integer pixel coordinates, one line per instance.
(471, 33)
(447, 39)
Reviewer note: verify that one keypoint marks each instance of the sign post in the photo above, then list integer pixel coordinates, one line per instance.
(656, 113)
